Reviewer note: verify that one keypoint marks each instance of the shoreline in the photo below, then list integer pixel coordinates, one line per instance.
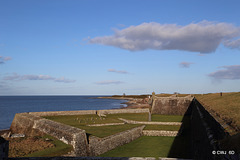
(132, 103)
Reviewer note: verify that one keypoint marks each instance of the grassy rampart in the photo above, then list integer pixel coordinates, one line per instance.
(227, 106)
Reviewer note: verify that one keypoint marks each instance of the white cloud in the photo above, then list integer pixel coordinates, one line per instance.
(233, 44)
(185, 64)
(116, 71)
(229, 72)
(107, 82)
(203, 37)
(18, 77)
(62, 79)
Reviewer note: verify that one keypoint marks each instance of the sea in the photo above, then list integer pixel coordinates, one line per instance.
(10, 105)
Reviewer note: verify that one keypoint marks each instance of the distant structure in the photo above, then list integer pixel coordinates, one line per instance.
(172, 105)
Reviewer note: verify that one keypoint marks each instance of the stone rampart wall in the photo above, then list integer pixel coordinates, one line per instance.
(29, 123)
(26, 123)
(170, 105)
(154, 123)
(117, 111)
(56, 113)
(101, 145)
(84, 112)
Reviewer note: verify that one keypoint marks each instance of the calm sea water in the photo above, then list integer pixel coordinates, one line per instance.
(10, 105)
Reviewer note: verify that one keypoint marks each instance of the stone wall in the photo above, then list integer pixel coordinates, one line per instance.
(154, 123)
(160, 133)
(117, 111)
(55, 113)
(32, 124)
(84, 112)
(170, 105)
(27, 124)
(101, 145)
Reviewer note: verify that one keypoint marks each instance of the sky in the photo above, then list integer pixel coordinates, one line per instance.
(106, 47)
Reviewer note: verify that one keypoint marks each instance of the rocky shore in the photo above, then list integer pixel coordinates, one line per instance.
(133, 102)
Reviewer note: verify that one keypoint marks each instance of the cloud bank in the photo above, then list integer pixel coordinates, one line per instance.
(107, 82)
(4, 59)
(18, 77)
(203, 37)
(185, 64)
(116, 71)
(229, 72)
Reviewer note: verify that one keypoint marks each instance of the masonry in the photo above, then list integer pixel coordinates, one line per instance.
(172, 105)
(206, 131)
(32, 123)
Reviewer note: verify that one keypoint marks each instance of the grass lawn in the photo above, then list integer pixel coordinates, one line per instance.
(74, 120)
(227, 105)
(166, 118)
(130, 116)
(163, 127)
(59, 149)
(81, 121)
(148, 146)
(104, 131)
(143, 147)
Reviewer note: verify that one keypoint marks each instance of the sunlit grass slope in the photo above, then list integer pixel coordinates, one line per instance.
(226, 106)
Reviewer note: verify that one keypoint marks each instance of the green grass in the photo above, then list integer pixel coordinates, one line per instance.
(81, 121)
(101, 131)
(104, 131)
(147, 146)
(74, 120)
(59, 149)
(143, 147)
(163, 127)
(166, 118)
(130, 116)
(226, 106)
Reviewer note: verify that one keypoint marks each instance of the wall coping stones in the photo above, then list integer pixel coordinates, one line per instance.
(84, 112)
(157, 123)
(160, 133)
(106, 124)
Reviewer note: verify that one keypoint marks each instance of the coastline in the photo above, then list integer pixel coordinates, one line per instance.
(132, 102)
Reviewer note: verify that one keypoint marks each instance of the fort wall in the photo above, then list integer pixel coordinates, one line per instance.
(170, 105)
(27, 124)
(205, 130)
(101, 145)
(84, 112)
(31, 124)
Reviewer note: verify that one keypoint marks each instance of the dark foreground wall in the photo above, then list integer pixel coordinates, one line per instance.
(3, 148)
(206, 133)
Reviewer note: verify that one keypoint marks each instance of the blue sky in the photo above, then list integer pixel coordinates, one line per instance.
(93, 47)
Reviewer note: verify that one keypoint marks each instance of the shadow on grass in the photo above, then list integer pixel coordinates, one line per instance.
(181, 147)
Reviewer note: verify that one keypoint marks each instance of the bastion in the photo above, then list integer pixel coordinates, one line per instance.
(172, 105)
(32, 123)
